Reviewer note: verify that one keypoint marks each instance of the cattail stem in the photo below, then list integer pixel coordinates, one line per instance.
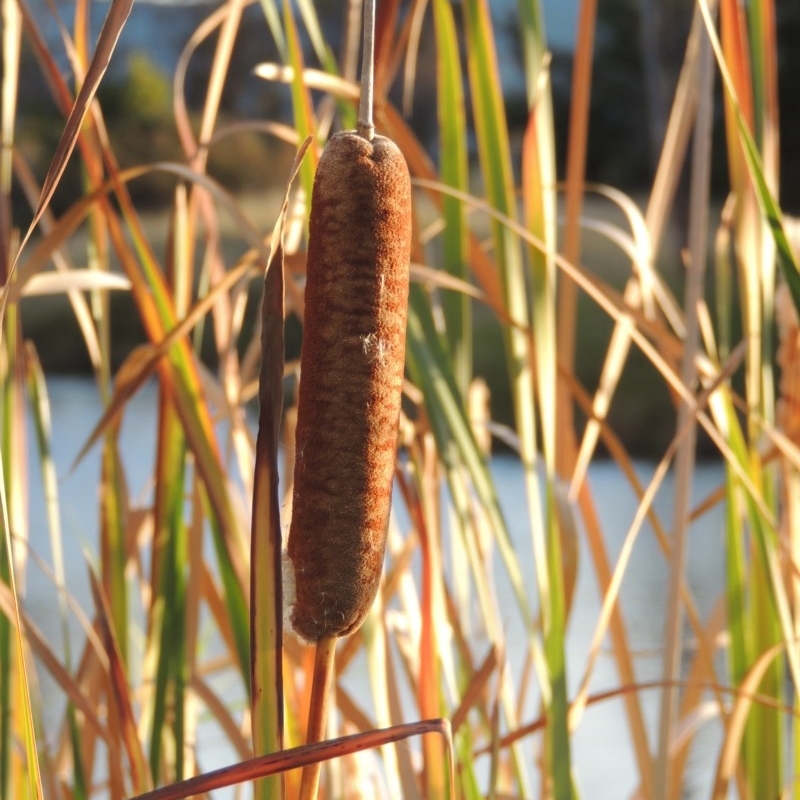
(324, 658)
(356, 301)
(366, 126)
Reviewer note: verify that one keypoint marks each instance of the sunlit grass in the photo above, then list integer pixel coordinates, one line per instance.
(176, 569)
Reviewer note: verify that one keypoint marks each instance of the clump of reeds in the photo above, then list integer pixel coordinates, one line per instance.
(143, 689)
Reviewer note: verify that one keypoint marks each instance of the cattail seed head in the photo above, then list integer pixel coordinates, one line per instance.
(351, 367)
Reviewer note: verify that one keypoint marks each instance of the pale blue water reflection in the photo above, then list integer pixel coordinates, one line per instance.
(604, 763)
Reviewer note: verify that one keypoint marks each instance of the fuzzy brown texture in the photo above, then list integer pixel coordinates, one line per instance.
(351, 373)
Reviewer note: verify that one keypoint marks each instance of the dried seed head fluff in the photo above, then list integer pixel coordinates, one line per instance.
(351, 369)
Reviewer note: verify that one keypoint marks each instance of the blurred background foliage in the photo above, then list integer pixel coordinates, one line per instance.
(638, 52)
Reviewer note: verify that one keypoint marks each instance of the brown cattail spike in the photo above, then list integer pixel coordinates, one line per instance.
(351, 382)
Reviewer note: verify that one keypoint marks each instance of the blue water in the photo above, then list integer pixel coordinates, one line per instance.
(559, 19)
(162, 28)
(604, 765)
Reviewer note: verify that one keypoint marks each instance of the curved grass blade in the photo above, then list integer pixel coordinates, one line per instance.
(728, 761)
(13, 498)
(218, 73)
(107, 40)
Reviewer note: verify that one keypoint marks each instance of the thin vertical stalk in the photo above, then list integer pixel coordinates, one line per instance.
(12, 23)
(113, 547)
(576, 169)
(302, 107)
(429, 699)
(453, 167)
(169, 582)
(322, 684)
(11, 471)
(366, 126)
(698, 251)
(18, 777)
(266, 579)
(539, 179)
(40, 412)
(10, 468)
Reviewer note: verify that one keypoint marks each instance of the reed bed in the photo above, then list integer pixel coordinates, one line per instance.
(464, 688)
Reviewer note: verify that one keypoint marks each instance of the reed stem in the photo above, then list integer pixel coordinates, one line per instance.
(366, 126)
(324, 658)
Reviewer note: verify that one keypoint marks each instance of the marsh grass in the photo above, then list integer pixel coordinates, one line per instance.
(139, 683)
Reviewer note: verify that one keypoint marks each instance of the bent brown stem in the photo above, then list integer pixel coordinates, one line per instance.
(318, 711)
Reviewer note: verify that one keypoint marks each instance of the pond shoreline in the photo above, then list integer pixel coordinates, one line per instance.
(642, 414)
(641, 417)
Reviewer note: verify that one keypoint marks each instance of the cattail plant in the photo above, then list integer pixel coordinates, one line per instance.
(351, 376)
(351, 370)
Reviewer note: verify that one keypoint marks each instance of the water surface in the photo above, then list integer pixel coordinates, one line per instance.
(604, 764)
